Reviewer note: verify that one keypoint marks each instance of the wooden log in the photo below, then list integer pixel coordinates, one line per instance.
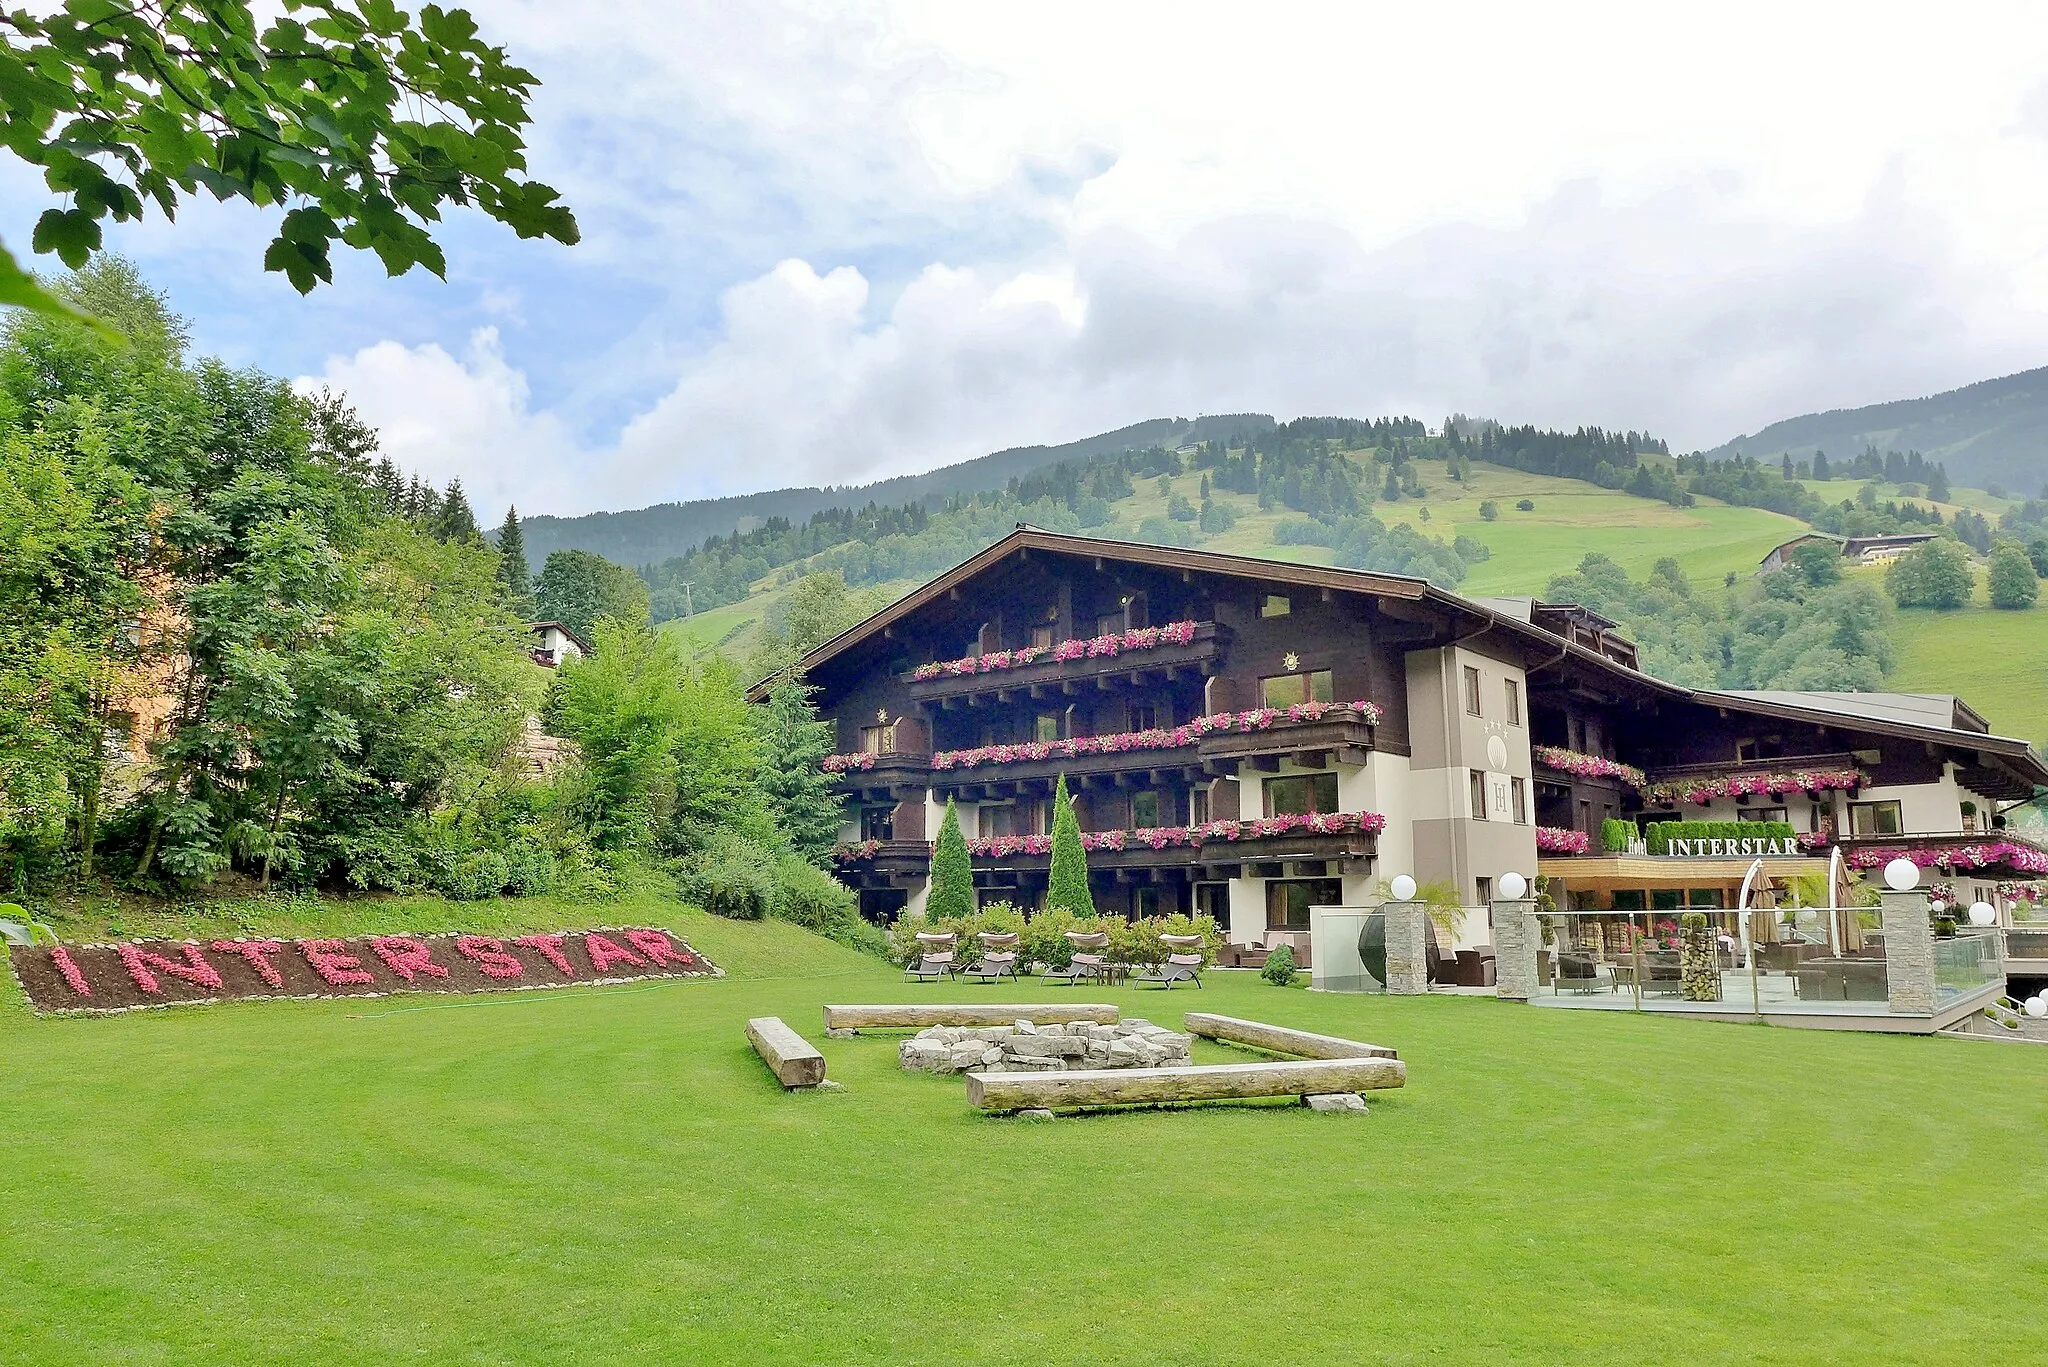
(1202, 1082)
(918, 1015)
(788, 1055)
(1278, 1039)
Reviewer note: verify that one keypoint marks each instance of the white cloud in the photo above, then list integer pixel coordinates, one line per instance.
(1007, 226)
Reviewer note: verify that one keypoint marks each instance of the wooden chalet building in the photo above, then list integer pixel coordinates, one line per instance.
(1252, 739)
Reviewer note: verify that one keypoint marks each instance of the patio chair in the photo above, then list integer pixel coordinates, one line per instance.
(1183, 963)
(998, 957)
(934, 958)
(1088, 962)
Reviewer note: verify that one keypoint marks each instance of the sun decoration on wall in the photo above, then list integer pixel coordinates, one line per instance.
(882, 715)
(1290, 662)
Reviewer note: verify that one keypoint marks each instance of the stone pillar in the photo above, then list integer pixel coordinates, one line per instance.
(1908, 953)
(1407, 947)
(1517, 934)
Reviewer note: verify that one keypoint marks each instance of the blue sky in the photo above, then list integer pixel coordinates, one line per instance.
(829, 244)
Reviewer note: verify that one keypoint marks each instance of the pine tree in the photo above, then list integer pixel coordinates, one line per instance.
(512, 568)
(455, 521)
(390, 486)
(1820, 466)
(793, 740)
(952, 894)
(1068, 885)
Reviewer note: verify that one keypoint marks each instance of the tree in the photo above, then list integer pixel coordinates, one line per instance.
(1820, 466)
(370, 122)
(1935, 574)
(1819, 563)
(622, 704)
(1067, 885)
(952, 890)
(1937, 485)
(513, 575)
(456, 521)
(1489, 511)
(805, 800)
(576, 588)
(2037, 552)
(2014, 584)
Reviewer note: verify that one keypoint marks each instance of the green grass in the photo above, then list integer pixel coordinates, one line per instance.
(1996, 660)
(608, 1175)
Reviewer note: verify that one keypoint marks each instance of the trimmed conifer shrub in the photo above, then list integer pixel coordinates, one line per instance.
(952, 872)
(1068, 884)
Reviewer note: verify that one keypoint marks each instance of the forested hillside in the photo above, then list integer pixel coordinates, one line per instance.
(1993, 435)
(646, 535)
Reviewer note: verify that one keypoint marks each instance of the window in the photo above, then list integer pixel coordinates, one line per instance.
(1144, 717)
(1145, 807)
(1586, 816)
(1285, 690)
(1288, 900)
(1484, 887)
(1111, 625)
(1472, 690)
(1514, 703)
(1761, 814)
(878, 823)
(1875, 818)
(1013, 818)
(1745, 751)
(1042, 637)
(1046, 726)
(1275, 605)
(878, 740)
(1521, 801)
(1479, 795)
(1213, 899)
(1300, 794)
(1149, 902)
(1199, 801)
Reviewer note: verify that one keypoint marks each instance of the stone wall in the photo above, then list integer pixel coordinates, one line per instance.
(1026, 1048)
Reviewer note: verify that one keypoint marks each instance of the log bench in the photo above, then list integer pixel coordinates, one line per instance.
(921, 1015)
(1200, 1082)
(793, 1060)
(1278, 1039)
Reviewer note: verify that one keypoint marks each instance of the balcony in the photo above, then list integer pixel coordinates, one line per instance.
(1219, 849)
(1036, 777)
(883, 863)
(1947, 854)
(1672, 784)
(1047, 676)
(887, 777)
(1344, 735)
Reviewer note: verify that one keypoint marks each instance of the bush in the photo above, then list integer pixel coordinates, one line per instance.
(1280, 970)
(473, 876)
(732, 877)
(1045, 938)
(1527, 505)
(1935, 574)
(1660, 834)
(807, 896)
(1488, 510)
(2014, 585)
(1615, 835)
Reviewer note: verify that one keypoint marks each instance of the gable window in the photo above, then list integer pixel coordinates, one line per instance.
(1285, 690)
(1875, 818)
(1472, 690)
(1301, 794)
(1111, 624)
(878, 740)
(1042, 637)
(1514, 703)
(1275, 605)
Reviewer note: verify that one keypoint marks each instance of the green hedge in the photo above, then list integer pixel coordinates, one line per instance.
(1660, 834)
(1615, 835)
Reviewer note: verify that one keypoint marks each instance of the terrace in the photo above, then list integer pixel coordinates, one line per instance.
(1146, 655)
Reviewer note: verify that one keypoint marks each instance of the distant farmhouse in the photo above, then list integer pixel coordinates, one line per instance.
(554, 642)
(1868, 550)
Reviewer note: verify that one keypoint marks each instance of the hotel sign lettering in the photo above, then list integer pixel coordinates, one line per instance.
(1727, 849)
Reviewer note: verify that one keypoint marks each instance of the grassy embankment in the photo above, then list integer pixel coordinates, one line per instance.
(608, 1175)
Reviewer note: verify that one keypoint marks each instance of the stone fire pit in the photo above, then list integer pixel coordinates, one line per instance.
(1026, 1048)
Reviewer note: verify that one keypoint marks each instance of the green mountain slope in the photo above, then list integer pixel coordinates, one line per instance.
(1994, 432)
(645, 536)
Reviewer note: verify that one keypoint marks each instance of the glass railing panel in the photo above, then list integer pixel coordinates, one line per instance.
(1965, 962)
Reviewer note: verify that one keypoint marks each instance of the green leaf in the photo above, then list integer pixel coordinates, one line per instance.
(71, 233)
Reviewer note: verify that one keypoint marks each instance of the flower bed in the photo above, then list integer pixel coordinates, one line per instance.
(1157, 738)
(120, 977)
(1094, 647)
(1585, 766)
(1705, 790)
(1978, 855)
(1558, 840)
(1191, 837)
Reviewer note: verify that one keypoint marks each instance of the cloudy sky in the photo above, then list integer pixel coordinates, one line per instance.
(829, 244)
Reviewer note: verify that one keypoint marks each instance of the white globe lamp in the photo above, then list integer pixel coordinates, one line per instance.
(1982, 913)
(1513, 885)
(1403, 888)
(2037, 1006)
(1902, 875)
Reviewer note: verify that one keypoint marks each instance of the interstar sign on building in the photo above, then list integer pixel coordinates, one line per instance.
(1252, 739)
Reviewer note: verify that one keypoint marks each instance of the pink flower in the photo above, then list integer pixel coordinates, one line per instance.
(605, 952)
(74, 977)
(549, 947)
(489, 956)
(406, 957)
(143, 965)
(257, 954)
(1558, 840)
(335, 965)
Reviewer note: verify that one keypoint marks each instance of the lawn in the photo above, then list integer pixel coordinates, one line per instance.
(608, 1175)
(1997, 660)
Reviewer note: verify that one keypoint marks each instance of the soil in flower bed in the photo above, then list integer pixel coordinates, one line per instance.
(118, 977)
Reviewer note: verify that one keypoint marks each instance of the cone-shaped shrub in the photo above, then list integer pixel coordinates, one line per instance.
(952, 872)
(1069, 882)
